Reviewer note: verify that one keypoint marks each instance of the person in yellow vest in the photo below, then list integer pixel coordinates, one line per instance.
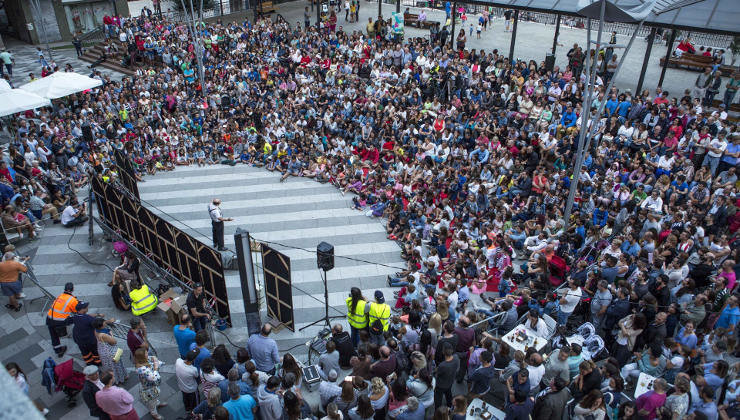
(142, 300)
(357, 309)
(379, 317)
(56, 319)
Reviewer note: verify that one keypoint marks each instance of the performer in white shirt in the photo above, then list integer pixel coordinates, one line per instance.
(217, 223)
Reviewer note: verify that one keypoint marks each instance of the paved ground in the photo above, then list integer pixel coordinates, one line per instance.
(298, 213)
(26, 60)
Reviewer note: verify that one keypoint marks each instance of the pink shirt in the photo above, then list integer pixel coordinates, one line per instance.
(650, 401)
(731, 279)
(115, 401)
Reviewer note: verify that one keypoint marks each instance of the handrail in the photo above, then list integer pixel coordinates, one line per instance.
(487, 320)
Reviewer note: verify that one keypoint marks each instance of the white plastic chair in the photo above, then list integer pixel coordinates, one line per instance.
(586, 331)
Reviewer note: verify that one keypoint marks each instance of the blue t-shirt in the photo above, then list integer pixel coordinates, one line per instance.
(184, 339)
(204, 352)
(241, 409)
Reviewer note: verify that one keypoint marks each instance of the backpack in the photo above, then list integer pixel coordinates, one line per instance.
(376, 328)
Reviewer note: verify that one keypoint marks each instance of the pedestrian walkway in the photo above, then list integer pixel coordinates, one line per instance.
(27, 61)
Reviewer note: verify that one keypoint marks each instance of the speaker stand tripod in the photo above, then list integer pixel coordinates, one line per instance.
(326, 317)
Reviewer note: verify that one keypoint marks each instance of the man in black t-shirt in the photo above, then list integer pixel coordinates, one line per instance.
(196, 302)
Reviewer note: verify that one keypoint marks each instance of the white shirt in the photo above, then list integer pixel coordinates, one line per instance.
(187, 376)
(540, 330)
(536, 374)
(68, 215)
(215, 212)
(572, 297)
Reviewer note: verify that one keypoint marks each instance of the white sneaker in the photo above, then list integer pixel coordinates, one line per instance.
(45, 411)
(22, 295)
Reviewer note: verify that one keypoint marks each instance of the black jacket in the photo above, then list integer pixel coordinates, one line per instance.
(344, 347)
(88, 394)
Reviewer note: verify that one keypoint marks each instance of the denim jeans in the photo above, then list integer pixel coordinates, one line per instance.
(397, 282)
(563, 317)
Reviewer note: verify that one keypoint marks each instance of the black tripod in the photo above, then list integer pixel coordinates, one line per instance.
(326, 317)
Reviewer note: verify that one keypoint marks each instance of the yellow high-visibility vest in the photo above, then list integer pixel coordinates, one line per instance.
(380, 311)
(357, 319)
(142, 300)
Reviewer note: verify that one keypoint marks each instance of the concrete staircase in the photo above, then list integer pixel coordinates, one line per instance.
(112, 62)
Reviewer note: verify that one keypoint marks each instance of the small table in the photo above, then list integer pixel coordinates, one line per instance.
(532, 340)
(477, 403)
(644, 384)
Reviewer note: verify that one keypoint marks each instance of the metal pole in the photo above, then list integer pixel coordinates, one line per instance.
(585, 111)
(398, 6)
(380, 10)
(650, 40)
(610, 84)
(668, 52)
(221, 6)
(557, 34)
(452, 34)
(513, 36)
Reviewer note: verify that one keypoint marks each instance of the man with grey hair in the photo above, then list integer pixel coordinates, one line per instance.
(414, 410)
(600, 302)
(328, 389)
(240, 406)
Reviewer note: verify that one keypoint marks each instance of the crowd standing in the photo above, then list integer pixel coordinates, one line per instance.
(467, 157)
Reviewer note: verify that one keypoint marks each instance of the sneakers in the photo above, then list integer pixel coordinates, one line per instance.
(61, 350)
(22, 295)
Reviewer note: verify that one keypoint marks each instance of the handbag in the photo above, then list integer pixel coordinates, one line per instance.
(117, 355)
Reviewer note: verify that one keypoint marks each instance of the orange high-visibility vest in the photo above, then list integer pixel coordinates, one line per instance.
(64, 305)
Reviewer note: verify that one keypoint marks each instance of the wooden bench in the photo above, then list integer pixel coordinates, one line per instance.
(697, 63)
(266, 7)
(412, 19)
(733, 107)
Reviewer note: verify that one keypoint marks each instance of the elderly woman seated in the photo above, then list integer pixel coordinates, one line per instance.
(14, 220)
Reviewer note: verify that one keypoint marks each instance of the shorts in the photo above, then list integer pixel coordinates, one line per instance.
(12, 288)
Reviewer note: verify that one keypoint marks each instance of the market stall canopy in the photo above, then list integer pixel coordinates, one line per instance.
(712, 16)
(17, 100)
(61, 84)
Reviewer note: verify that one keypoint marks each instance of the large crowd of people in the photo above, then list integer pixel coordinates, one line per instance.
(467, 156)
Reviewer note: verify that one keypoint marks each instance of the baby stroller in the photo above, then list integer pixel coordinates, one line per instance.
(68, 381)
(558, 270)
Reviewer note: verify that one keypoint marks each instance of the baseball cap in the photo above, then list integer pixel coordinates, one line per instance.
(379, 296)
(82, 305)
(89, 370)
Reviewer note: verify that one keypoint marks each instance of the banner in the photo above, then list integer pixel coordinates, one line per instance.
(397, 25)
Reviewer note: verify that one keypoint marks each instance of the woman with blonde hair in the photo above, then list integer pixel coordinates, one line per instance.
(379, 397)
(207, 407)
(147, 367)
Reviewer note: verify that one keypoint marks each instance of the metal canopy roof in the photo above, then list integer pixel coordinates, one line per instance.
(714, 16)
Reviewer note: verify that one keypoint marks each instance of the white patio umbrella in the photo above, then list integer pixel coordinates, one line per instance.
(17, 100)
(61, 84)
(4, 85)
